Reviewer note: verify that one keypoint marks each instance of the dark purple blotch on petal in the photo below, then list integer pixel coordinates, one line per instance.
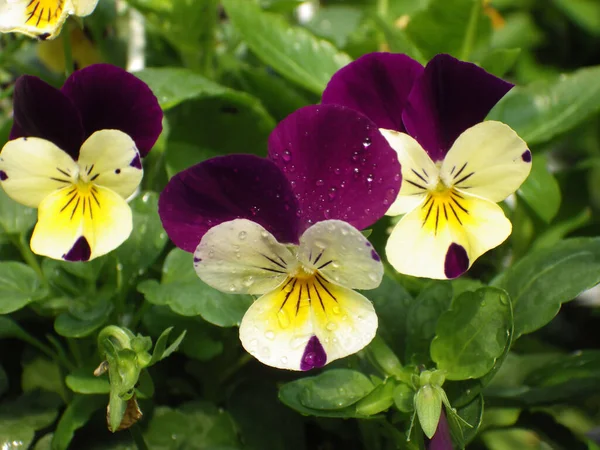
(3, 175)
(441, 439)
(526, 156)
(450, 97)
(197, 260)
(338, 163)
(376, 85)
(135, 162)
(43, 111)
(227, 188)
(375, 256)
(80, 251)
(457, 261)
(110, 98)
(314, 355)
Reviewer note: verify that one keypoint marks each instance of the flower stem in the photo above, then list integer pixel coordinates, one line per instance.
(138, 438)
(66, 38)
(28, 256)
(471, 32)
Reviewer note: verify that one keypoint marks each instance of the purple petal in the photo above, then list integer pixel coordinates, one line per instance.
(43, 111)
(441, 439)
(314, 355)
(457, 261)
(80, 251)
(226, 188)
(448, 98)
(376, 85)
(108, 97)
(338, 163)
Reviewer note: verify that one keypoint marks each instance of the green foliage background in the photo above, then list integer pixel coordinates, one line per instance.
(521, 359)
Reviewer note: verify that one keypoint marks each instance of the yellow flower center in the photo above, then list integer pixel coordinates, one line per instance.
(41, 13)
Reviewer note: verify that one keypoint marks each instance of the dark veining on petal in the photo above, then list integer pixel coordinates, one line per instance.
(314, 355)
(80, 251)
(457, 261)
(3, 175)
(197, 260)
(375, 256)
(136, 162)
(526, 156)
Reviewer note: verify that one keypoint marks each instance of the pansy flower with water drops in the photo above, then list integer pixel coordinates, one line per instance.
(41, 18)
(286, 228)
(75, 154)
(455, 165)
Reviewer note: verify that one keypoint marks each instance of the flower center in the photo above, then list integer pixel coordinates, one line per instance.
(41, 13)
(443, 206)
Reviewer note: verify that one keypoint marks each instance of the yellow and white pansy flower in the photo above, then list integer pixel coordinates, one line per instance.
(41, 18)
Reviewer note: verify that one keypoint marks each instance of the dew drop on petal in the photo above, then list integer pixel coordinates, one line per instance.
(320, 244)
(335, 264)
(286, 156)
(283, 318)
(242, 235)
(366, 143)
(336, 309)
(320, 182)
(270, 335)
(266, 352)
(331, 326)
(284, 360)
(253, 343)
(337, 170)
(332, 193)
(373, 276)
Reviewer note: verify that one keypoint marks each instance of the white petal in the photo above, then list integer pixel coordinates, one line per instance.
(419, 172)
(307, 323)
(34, 18)
(444, 236)
(84, 8)
(341, 253)
(110, 158)
(242, 257)
(33, 168)
(488, 160)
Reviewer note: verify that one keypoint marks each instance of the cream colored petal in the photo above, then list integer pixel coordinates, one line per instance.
(241, 257)
(35, 18)
(488, 160)
(84, 8)
(419, 172)
(33, 168)
(444, 236)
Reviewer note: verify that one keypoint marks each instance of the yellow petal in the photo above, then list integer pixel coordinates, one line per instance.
(444, 235)
(80, 223)
(35, 18)
(488, 160)
(110, 158)
(419, 172)
(33, 168)
(306, 323)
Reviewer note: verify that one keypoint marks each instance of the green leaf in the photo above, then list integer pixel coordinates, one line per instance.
(545, 109)
(499, 61)
(21, 418)
(19, 286)
(471, 350)
(471, 413)
(44, 374)
(540, 190)
(160, 349)
(335, 389)
(398, 40)
(78, 413)
(378, 401)
(444, 25)
(544, 279)
(585, 13)
(83, 381)
(147, 239)
(422, 319)
(335, 23)
(15, 218)
(559, 231)
(404, 398)
(293, 52)
(185, 294)
(84, 316)
(202, 128)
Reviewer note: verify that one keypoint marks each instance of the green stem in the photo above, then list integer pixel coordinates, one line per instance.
(471, 33)
(113, 331)
(66, 37)
(28, 256)
(382, 8)
(138, 438)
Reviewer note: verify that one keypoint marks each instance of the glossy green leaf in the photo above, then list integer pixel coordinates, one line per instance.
(544, 279)
(19, 286)
(540, 190)
(84, 316)
(185, 294)
(83, 381)
(545, 109)
(334, 389)
(404, 398)
(161, 351)
(377, 401)
(585, 13)
(422, 319)
(44, 374)
(78, 413)
(293, 52)
(470, 350)
(472, 414)
(15, 218)
(499, 61)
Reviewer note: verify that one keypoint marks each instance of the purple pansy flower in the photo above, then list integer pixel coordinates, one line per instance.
(286, 228)
(455, 166)
(441, 440)
(75, 155)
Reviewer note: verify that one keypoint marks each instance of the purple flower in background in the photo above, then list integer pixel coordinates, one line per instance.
(286, 228)
(75, 155)
(441, 440)
(455, 166)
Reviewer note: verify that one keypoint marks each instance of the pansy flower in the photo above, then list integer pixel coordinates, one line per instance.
(41, 18)
(286, 228)
(75, 155)
(455, 166)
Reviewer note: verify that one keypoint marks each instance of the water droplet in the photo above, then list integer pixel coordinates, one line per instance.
(249, 281)
(242, 235)
(270, 335)
(373, 276)
(320, 244)
(283, 319)
(286, 156)
(320, 183)
(264, 234)
(335, 264)
(366, 143)
(253, 343)
(331, 326)
(254, 210)
(284, 360)
(370, 178)
(341, 391)
(336, 309)
(266, 352)
(327, 213)
(337, 170)
(345, 317)
(298, 342)
(332, 193)
(232, 288)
